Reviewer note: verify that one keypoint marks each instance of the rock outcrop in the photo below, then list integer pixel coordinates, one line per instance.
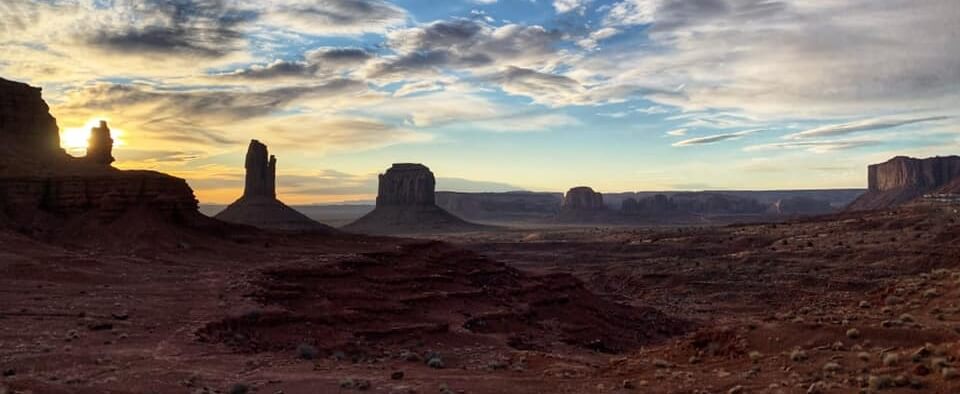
(100, 145)
(41, 186)
(406, 203)
(904, 179)
(407, 184)
(259, 206)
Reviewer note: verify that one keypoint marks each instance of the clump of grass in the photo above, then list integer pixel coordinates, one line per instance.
(434, 360)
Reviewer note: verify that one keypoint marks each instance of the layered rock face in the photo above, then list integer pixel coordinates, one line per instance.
(100, 149)
(25, 121)
(406, 203)
(903, 179)
(40, 184)
(259, 206)
(407, 184)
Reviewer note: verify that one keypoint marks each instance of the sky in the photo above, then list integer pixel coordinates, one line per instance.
(496, 95)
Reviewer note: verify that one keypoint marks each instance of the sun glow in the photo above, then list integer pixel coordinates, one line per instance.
(75, 139)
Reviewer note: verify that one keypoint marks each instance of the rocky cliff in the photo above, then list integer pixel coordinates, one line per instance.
(40, 184)
(903, 179)
(259, 206)
(406, 203)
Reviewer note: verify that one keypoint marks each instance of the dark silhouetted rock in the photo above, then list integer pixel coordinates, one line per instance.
(904, 179)
(25, 121)
(630, 206)
(582, 204)
(40, 185)
(100, 146)
(259, 207)
(261, 177)
(406, 204)
(407, 184)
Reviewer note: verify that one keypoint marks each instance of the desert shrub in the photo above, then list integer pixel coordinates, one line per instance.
(306, 351)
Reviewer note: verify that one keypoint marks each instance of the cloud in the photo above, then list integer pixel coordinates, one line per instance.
(465, 45)
(815, 146)
(710, 139)
(201, 28)
(858, 126)
(559, 90)
(564, 6)
(325, 62)
(811, 60)
(677, 132)
(336, 17)
(591, 41)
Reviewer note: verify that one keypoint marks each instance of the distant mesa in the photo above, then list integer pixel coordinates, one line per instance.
(902, 179)
(259, 206)
(582, 203)
(406, 203)
(801, 205)
(503, 206)
(42, 187)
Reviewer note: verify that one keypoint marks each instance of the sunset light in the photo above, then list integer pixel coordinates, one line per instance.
(74, 139)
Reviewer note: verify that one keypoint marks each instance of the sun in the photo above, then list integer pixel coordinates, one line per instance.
(75, 139)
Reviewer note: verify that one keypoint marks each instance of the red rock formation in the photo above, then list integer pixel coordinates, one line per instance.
(100, 145)
(39, 181)
(259, 207)
(261, 177)
(903, 179)
(407, 184)
(406, 204)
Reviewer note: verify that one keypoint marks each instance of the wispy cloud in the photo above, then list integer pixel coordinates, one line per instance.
(815, 146)
(711, 139)
(859, 126)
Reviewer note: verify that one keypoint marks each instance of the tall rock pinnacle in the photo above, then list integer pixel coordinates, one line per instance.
(261, 178)
(100, 145)
(259, 207)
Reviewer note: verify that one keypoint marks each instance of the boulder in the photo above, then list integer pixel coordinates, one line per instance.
(259, 206)
(406, 203)
(903, 179)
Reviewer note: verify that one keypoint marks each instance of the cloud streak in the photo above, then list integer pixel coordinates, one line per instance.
(712, 139)
(859, 126)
